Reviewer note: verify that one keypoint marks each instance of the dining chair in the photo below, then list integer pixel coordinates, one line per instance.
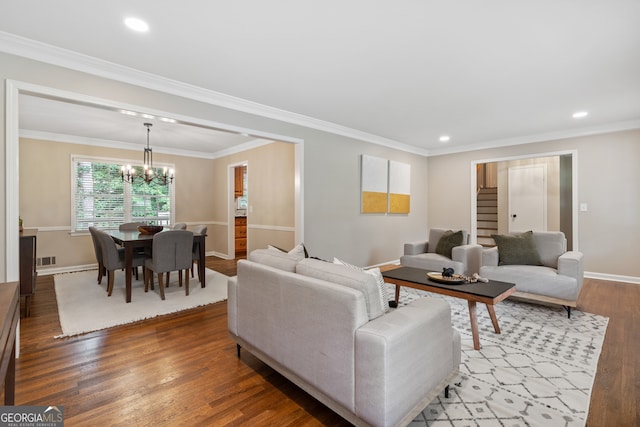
(98, 251)
(179, 226)
(171, 252)
(195, 253)
(130, 226)
(113, 259)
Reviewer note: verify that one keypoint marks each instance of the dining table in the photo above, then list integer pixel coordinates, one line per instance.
(132, 240)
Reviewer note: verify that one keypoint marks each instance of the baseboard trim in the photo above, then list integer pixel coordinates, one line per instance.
(612, 277)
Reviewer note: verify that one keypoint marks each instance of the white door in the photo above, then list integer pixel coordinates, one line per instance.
(528, 198)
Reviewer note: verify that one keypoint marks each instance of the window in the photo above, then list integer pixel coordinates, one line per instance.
(100, 198)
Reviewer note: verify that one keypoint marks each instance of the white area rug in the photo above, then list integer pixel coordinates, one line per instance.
(538, 372)
(83, 304)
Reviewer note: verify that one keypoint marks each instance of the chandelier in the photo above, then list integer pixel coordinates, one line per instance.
(129, 174)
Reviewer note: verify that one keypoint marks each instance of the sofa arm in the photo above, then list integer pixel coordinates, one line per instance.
(416, 248)
(490, 257)
(403, 357)
(232, 304)
(571, 264)
(470, 256)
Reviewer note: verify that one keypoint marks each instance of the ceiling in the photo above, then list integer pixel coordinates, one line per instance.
(485, 73)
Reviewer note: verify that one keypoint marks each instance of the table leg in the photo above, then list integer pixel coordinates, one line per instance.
(397, 295)
(494, 319)
(128, 267)
(474, 325)
(201, 266)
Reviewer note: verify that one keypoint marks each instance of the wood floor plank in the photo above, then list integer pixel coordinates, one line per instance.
(182, 368)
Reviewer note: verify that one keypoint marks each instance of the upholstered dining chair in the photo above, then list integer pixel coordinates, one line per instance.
(195, 255)
(133, 226)
(113, 259)
(130, 226)
(171, 252)
(179, 226)
(98, 251)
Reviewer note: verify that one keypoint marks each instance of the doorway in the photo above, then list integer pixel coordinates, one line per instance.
(562, 195)
(241, 204)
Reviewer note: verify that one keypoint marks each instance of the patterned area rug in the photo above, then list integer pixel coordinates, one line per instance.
(538, 372)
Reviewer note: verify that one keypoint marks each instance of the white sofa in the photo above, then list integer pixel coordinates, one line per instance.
(465, 259)
(558, 280)
(319, 325)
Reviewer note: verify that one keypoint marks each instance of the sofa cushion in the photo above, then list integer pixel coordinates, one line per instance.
(300, 250)
(276, 259)
(342, 275)
(375, 272)
(431, 262)
(539, 280)
(434, 237)
(448, 241)
(517, 249)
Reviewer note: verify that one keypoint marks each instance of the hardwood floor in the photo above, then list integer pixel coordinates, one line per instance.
(182, 369)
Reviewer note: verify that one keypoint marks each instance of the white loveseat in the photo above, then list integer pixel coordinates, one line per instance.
(557, 280)
(319, 325)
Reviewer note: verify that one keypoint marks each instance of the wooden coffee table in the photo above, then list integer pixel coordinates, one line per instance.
(489, 293)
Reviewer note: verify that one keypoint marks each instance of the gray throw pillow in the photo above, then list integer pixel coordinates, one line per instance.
(448, 241)
(517, 249)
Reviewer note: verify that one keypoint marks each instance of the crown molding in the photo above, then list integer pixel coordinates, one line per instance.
(97, 142)
(24, 47)
(543, 137)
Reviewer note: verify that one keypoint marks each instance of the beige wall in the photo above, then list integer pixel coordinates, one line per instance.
(45, 195)
(608, 181)
(270, 192)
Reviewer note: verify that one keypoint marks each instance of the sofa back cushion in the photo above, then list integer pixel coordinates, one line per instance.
(436, 233)
(517, 249)
(276, 259)
(342, 275)
(550, 244)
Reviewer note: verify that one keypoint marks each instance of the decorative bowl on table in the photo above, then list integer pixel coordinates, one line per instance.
(150, 229)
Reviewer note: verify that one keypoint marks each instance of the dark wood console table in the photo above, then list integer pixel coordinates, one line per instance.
(28, 273)
(9, 316)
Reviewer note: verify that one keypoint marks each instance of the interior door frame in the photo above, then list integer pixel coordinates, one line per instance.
(231, 228)
(473, 229)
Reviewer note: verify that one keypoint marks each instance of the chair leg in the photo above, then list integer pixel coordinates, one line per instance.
(161, 285)
(110, 274)
(186, 282)
(135, 270)
(180, 278)
(100, 271)
(145, 277)
(167, 281)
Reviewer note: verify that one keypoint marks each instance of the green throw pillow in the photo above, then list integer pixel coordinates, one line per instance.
(448, 241)
(517, 249)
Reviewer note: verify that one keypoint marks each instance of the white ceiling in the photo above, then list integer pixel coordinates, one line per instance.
(486, 73)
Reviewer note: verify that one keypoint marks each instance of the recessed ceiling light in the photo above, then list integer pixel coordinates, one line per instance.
(445, 138)
(167, 120)
(136, 24)
(129, 113)
(148, 116)
(580, 114)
